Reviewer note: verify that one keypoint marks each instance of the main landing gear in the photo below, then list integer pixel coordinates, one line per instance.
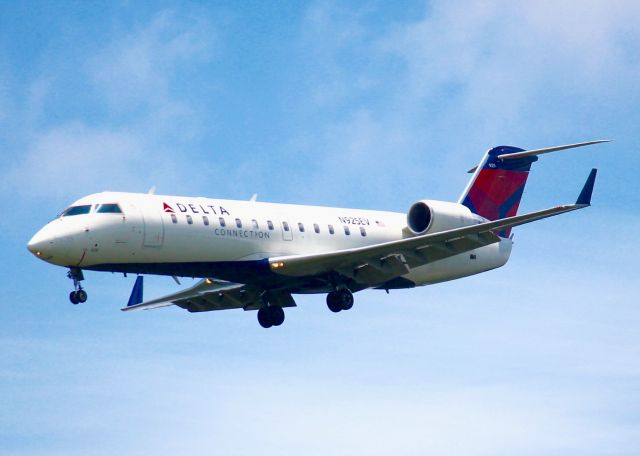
(270, 316)
(78, 295)
(338, 300)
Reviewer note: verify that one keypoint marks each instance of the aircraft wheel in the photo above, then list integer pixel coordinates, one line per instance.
(81, 296)
(333, 302)
(345, 299)
(73, 298)
(277, 315)
(264, 317)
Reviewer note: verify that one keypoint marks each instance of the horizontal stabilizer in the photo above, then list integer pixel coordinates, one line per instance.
(546, 150)
(587, 189)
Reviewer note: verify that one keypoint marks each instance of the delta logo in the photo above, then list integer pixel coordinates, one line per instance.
(195, 209)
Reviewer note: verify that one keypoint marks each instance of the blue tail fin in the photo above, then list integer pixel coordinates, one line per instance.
(587, 190)
(136, 292)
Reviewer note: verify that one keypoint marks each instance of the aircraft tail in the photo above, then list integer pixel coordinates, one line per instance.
(498, 182)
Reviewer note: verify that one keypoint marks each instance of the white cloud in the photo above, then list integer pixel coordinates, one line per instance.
(333, 36)
(147, 122)
(502, 64)
(138, 68)
(211, 403)
(71, 158)
(463, 77)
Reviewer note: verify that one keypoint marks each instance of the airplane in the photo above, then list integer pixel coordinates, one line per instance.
(255, 255)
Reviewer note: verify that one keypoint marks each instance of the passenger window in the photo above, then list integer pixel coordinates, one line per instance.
(174, 219)
(109, 208)
(239, 223)
(189, 220)
(331, 231)
(316, 228)
(346, 230)
(270, 224)
(301, 227)
(285, 226)
(205, 220)
(222, 222)
(363, 232)
(254, 222)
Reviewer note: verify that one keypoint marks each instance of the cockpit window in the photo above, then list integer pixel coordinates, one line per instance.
(109, 208)
(76, 210)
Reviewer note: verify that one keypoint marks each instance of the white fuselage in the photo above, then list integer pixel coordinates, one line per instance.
(168, 234)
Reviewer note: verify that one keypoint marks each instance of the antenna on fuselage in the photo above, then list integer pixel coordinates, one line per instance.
(253, 198)
(152, 190)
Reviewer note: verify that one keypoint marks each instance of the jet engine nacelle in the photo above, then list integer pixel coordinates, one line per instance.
(429, 216)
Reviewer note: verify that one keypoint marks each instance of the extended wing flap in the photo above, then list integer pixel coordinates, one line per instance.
(440, 250)
(236, 297)
(377, 270)
(380, 270)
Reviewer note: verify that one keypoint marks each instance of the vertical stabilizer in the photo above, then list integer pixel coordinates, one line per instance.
(496, 188)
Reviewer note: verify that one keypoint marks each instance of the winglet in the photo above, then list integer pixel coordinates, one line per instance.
(136, 293)
(585, 195)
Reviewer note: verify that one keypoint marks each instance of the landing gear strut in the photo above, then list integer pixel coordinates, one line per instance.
(270, 316)
(340, 300)
(78, 295)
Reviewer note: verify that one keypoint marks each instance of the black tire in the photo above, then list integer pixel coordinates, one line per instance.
(264, 317)
(346, 299)
(277, 315)
(73, 298)
(333, 302)
(81, 296)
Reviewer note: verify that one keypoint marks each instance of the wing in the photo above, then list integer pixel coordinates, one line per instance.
(381, 262)
(211, 294)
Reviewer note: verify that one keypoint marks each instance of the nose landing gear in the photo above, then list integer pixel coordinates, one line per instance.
(78, 295)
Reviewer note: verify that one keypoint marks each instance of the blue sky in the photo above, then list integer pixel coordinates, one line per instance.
(363, 104)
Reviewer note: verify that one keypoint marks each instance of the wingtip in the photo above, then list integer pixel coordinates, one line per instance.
(136, 293)
(584, 198)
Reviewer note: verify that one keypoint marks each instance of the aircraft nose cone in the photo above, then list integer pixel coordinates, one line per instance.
(53, 244)
(41, 245)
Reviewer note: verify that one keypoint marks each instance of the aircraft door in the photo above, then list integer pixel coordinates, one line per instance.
(153, 226)
(287, 234)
